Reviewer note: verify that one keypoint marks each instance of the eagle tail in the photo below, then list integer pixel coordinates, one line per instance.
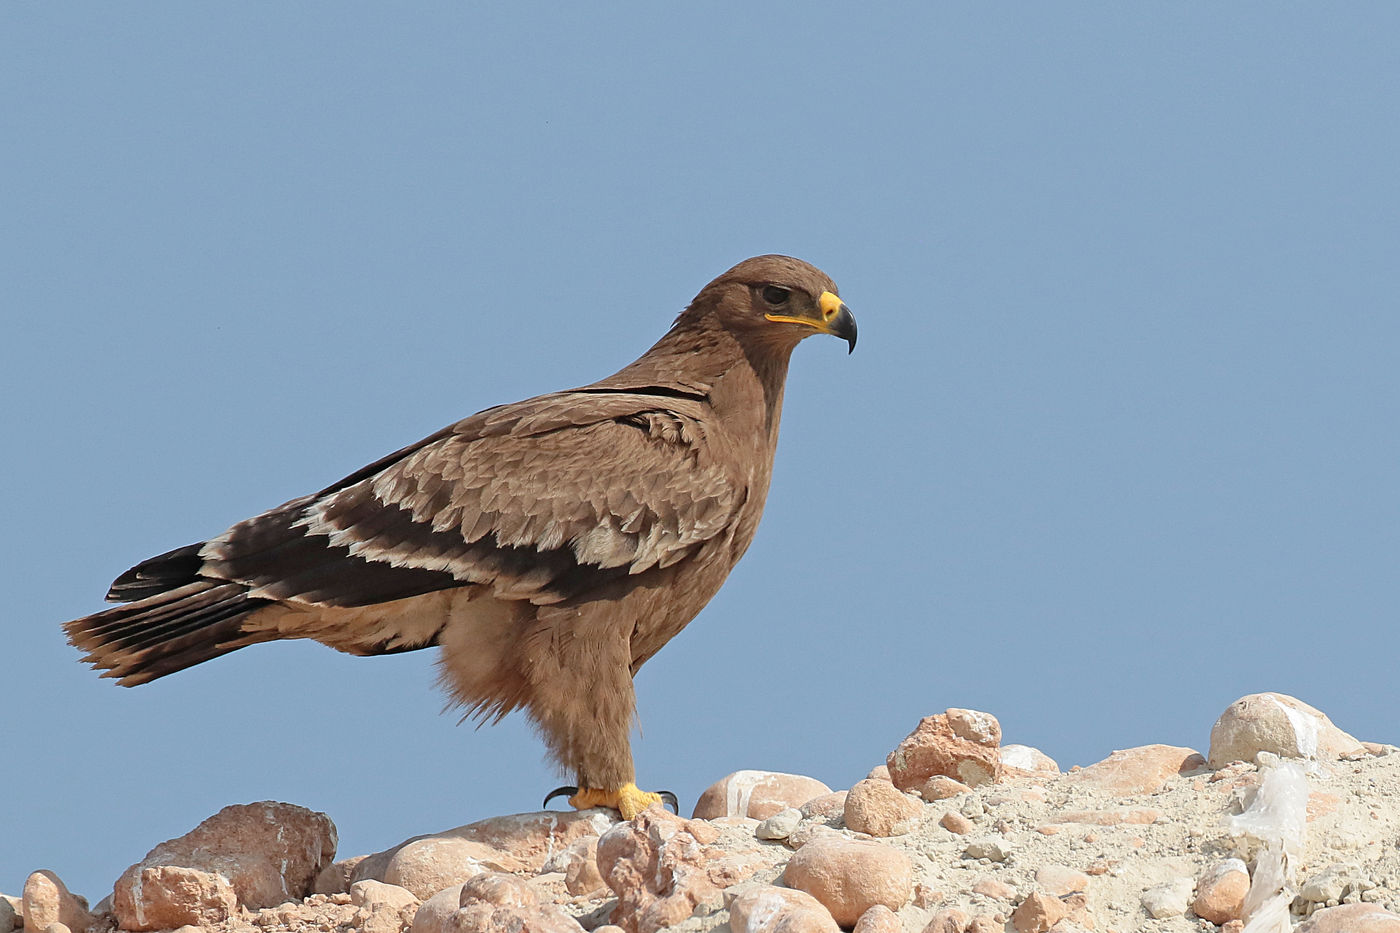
(175, 619)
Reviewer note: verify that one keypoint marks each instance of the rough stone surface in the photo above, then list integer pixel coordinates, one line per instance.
(1220, 892)
(337, 877)
(849, 876)
(960, 744)
(1169, 899)
(1352, 918)
(47, 900)
(1141, 770)
(1060, 880)
(1279, 724)
(580, 864)
(780, 825)
(427, 866)
(879, 919)
(9, 915)
(433, 915)
(662, 868)
(377, 894)
(494, 901)
(769, 909)
(756, 794)
(879, 808)
(991, 848)
(941, 787)
(949, 920)
(263, 853)
(1038, 913)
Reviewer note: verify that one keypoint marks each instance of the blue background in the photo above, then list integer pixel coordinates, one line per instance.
(1117, 447)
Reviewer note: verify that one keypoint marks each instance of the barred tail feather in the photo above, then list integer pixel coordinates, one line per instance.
(167, 631)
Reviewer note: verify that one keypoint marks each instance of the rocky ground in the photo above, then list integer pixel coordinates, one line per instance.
(1287, 823)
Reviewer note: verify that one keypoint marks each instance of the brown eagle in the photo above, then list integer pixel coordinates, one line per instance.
(549, 547)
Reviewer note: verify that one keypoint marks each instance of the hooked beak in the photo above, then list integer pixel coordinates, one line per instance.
(836, 319)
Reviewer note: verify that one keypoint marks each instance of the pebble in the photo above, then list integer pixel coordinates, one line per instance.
(941, 787)
(959, 743)
(1169, 899)
(1030, 760)
(1220, 891)
(1141, 770)
(770, 909)
(987, 847)
(948, 920)
(46, 899)
(1351, 918)
(996, 890)
(756, 794)
(879, 919)
(956, 823)
(780, 825)
(849, 876)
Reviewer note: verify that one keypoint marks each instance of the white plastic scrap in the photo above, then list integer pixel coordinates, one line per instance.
(1275, 825)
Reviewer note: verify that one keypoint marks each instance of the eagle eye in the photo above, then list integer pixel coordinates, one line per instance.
(776, 294)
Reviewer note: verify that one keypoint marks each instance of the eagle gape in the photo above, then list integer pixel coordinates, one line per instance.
(550, 547)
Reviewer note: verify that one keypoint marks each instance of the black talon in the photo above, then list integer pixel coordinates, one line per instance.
(565, 791)
(670, 799)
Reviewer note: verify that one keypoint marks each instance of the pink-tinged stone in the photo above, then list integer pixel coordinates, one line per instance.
(46, 900)
(987, 923)
(960, 744)
(1321, 803)
(1351, 918)
(427, 866)
(1142, 770)
(956, 823)
(770, 909)
(1060, 880)
(493, 901)
(756, 794)
(529, 838)
(948, 920)
(435, 912)
(336, 877)
(580, 863)
(824, 807)
(1220, 892)
(661, 871)
(1038, 913)
(996, 890)
(879, 808)
(880, 773)
(849, 876)
(1281, 724)
(941, 787)
(263, 853)
(879, 919)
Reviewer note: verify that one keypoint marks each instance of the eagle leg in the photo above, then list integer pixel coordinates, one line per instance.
(629, 800)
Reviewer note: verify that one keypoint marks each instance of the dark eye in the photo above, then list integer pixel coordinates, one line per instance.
(775, 294)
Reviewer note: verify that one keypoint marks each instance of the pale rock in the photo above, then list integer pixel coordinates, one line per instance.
(995, 889)
(1169, 899)
(1280, 724)
(1038, 913)
(432, 916)
(57, 927)
(941, 787)
(987, 923)
(580, 864)
(987, 847)
(849, 876)
(9, 916)
(756, 794)
(427, 866)
(825, 806)
(948, 920)
(960, 744)
(494, 901)
(879, 919)
(1061, 880)
(1333, 883)
(956, 823)
(336, 877)
(880, 773)
(770, 909)
(46, 899)
(1352, 918)
(1233, 926)
(780, 825)
(662, 870)
(262, 854)
(374, 895)
(879, 808)
(1132, 816)
(1029, 760)
(1141, 770)
(532, 839)
(1220, 891)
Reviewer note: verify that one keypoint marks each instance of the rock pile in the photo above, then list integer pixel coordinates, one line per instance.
(1288, 823)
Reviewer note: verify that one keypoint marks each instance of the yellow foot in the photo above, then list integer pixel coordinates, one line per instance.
(629, 800)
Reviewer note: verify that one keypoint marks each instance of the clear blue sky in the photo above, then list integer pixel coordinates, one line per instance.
(1119, 443)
